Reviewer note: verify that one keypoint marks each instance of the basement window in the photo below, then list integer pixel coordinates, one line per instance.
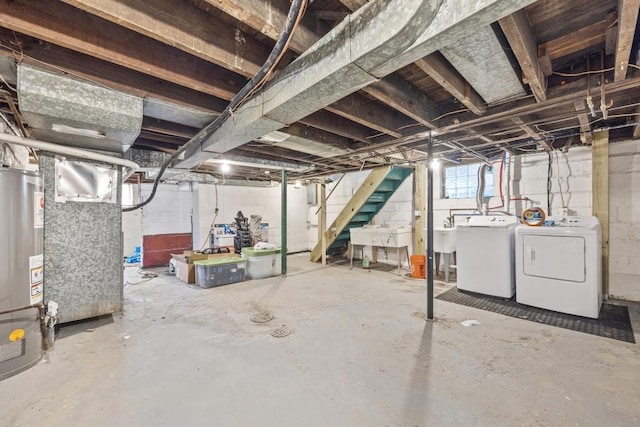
(460, 182)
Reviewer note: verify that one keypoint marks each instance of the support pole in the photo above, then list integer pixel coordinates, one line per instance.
(430, 228)
(322, 221)
(283, 222)
(600, 197)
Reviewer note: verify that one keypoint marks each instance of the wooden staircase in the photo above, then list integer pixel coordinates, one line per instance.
(370, 198)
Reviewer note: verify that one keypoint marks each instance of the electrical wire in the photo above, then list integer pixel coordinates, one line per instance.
(145, 275)
(213, 221)
(584, 73)
(7, 83)
(549, 184)
(293, 18)
(564, 206)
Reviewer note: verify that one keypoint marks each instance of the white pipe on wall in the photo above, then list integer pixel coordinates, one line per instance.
(71, 151)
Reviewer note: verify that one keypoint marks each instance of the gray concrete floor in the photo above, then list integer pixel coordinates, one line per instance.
(360, 354)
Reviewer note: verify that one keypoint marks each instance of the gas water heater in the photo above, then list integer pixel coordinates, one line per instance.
(22, 320)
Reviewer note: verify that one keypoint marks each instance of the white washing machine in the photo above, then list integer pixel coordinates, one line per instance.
(560, 267)
(485, 255)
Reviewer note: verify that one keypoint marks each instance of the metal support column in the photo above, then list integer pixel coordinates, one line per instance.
(283, 222)
(430, 228)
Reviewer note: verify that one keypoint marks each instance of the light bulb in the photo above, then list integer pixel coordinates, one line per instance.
(225, 167)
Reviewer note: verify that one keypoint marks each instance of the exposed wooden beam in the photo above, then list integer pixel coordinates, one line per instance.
(168, 128)
(532, 133)
(90, 35)
(104, 73)
(627, 19)
(267, 17)
(330, 15)
(545, 60)
(185, 27)
(439, 69)
(520, 36)
(611, 35)
(402, 96)
(586, 136)
(576, 41)
(600, 197)
(73, 29)
(353, 4)
(368, 113)
(339, 125)
(317, 135)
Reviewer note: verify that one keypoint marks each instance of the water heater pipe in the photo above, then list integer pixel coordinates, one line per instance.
(71, 151)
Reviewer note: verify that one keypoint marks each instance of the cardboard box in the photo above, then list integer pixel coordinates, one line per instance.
(185, 270)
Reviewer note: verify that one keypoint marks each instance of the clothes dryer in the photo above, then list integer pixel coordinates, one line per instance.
(560, 267)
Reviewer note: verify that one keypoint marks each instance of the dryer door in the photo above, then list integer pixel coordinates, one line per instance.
(555, 257)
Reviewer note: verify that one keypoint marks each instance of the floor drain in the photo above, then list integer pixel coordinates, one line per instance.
(280, 332)
(263, 317)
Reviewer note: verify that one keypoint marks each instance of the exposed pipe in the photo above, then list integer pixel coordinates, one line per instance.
(480, 193)
(71, 151)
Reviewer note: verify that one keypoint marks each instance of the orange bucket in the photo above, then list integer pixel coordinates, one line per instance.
(418, 263)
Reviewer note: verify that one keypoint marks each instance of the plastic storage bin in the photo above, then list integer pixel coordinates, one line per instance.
(219, 271)
(262, 262)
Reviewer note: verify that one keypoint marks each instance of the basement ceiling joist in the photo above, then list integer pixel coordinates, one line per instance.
(198, 53)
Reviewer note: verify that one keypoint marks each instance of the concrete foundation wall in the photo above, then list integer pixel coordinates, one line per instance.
(168, 213)
(624, 220)
(252, 201)
(527, 178)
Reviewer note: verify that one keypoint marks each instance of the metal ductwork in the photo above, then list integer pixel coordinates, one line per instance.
(171, 112)
(75, 113)
(376, 40)
(337, 65)
(481, 60)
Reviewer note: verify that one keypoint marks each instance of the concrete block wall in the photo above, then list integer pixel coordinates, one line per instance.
(169, 212)
(526, 177)
(624, 220)
(571, 172)
(253, 201)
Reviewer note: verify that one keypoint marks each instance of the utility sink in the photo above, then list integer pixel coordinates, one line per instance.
(390, 237)
(444, 240)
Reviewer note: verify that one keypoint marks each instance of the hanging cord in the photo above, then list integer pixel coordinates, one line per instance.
(564, 206)
(549, 184)
(213, 221)
(293, 18)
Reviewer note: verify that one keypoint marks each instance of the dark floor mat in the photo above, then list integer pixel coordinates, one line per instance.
(614, 321)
